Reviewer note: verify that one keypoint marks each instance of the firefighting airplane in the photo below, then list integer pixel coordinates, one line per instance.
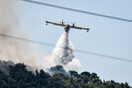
(67, 26)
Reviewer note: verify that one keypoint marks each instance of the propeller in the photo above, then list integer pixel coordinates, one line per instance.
(62, 22)
(73, 24)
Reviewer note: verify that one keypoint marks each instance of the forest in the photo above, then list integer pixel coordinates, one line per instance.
(17, 76)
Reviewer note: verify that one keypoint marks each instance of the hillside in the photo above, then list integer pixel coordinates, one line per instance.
(19, 77)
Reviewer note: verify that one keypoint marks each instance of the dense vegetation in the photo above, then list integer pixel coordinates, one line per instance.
(20, 77)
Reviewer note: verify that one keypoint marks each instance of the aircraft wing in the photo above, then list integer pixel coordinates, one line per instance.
(81, 28)
(59, 24)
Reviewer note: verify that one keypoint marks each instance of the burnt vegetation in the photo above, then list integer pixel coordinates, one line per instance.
(19, 77)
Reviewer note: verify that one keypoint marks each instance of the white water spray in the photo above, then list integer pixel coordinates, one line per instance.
(63, 54)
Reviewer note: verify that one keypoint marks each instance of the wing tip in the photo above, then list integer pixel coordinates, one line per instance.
(46, 22)
(87, 28)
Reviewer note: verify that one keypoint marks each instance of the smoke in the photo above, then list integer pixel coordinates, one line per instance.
(18, 51)
(11, 49)
(63, 54)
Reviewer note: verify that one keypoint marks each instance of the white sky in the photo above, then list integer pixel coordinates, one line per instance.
(106, 36)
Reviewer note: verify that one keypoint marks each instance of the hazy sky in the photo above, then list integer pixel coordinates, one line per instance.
(106, 36)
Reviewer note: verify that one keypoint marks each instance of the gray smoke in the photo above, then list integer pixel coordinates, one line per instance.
(63, 54)
(11, 49)
(21, 52)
